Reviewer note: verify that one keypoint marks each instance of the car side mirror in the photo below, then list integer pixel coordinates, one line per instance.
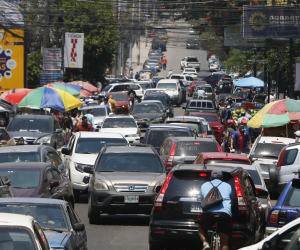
(111, 113)
(141, 139)
(78, 227)
(88, 170)
(66, 151)
(266, 245)
(179, 89)
(140, 126)
(59, 130)
(54, 183)
(262, 193)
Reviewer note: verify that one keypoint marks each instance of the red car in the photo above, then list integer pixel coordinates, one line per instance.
(123, 102)
(213, 121)
(215, 157)
(193, 86)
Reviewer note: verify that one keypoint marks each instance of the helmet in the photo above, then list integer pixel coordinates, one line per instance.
(231, 122)
(201, 87)
(234, 118)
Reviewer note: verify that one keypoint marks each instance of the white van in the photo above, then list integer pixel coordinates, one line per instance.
(172, 89)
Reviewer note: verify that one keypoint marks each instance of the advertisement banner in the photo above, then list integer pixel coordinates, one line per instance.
(11, 59)
(73, 52)
(233, 37)
(51, 59)
(297, 77)
(271, 21)
(49, 78)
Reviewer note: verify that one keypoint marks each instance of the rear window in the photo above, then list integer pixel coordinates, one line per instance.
(193, 148)
(177, 77)
(185, 182)
(292, 198)
(194, 104)
(255, 176)
(289, 157)
(156, 137)
(268, 150)
(213, 161)
(197, 126)
(192, 59)
(209, 118)
(162, 98)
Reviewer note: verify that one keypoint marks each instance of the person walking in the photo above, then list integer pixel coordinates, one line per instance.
(84, 126)
(242, 140)
(170, 73)
(131, 73)
(272, 98)
(90, 117)
(137, 76)
(227, 138)
(164, 62)
(113, 104)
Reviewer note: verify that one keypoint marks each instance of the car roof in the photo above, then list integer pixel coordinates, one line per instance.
(34, 116)
(168, 81)
(146, 103)
(203, 113)
(188, 118)
(131, 149)
(186, 138)
(93, 107)
(151, 101)
(8, 219)
(174, 119)
(224, 155)
(37, 165)
(274, 139)
(33, 201)
(98, 135)
(21, 148)
(166, 126)
(206, 167)
(119, 116)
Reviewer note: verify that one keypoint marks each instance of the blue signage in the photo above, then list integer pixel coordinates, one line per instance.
(49, 78)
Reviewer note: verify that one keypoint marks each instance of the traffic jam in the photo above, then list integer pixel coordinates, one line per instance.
(205, 177)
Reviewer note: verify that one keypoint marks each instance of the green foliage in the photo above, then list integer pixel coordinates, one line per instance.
(34, 67)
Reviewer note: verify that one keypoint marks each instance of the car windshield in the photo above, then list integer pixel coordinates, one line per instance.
(167, 86)
(268, 150)
(193, 148)
(162, 98)
(292, 197)
(209, 118)
(18, 236)
(96, 111)
(146, 108)
(145, 85)
(189, 70)
(107, 87)
(196, 125)
(119, 97)
(153, 61)
(94, 145)
(159, 105)
(119, 122)
(192, 59)
(22, 178)
(156, 137)
(19, 157)
(177, 77)
(24, 124)
(129, 162)
(48, 216)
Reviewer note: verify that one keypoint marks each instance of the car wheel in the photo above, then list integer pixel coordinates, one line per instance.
(273, 174)
(94, 217)
(76, 195)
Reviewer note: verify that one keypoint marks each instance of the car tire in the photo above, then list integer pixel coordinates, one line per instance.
(76, 195)
(94, 217)
(273, 174)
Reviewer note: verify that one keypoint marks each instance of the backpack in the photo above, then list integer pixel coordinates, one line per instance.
(212, 199)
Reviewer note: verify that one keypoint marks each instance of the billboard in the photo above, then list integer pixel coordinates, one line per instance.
(233, 37)
(51, 59)
(277, 2)
(297, 77)
(271, 21)
(73, 52)
(11, 59)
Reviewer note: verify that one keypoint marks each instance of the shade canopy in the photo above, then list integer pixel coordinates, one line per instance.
(249, 82)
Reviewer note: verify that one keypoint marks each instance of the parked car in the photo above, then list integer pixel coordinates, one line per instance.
(177, 150)
(124, 181)
(60, 224)
(193, 85)
(123, 102)
(33, 153)
(190, 62)
(175, 211)
(173, 90)
(37, 129)
(165, 99)
(81, 151)
(207, 106)
(6, 140)
(37, 179)
(156, 134)
(214, 122)
(21, 232)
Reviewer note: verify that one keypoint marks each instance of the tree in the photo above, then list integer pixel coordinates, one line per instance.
(34, 67)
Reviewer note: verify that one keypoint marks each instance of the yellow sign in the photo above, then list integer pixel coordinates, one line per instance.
(257, 21)
(277, 2)
(11, 59)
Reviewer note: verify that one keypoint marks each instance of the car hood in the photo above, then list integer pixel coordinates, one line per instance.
(131, 177)
(55, 239)
(123, 131)
(28, 134)
(147, 116)
(120, 103)
(88, 159)
(24, 192)
(99, 119)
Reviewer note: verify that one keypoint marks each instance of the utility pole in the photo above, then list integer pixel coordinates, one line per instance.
(254, 66)
(291, 89)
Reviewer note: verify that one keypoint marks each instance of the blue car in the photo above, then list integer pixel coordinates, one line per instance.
(61, 225)
(286, 208)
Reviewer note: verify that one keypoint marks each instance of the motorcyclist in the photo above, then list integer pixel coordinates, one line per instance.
(164, 61)
(231, 129)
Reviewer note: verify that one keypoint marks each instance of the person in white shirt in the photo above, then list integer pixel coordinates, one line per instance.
(200, 92)
(144, 75)
(169, 74)
(272, 98)
(106, 103)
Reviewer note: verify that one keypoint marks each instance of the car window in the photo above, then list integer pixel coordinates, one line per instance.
(167, 86)
(146, 108)
(192, 104)
(48, 178)
(268, 150)
(203, 104)
(119, 97)
(285, 238)
(72, 216)
(209, 118)
(209, 105)
(47, 158)
(29, 178)
(20, 157)
(30, 124)
(197, 126)
(193, 148)
(54, 158)
(289, 157)
(119, 123)
(41, 236)
(156, 137)
(292, 197)
(97, 111)
(248, 187)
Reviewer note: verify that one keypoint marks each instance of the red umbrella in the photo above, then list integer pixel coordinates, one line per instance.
(17, 97)
(87, 88)
(12, 91)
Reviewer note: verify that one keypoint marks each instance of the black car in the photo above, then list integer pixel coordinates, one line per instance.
(174, 215)
(213, 79)
(165, 100)
(147, 113)
(37, 129)
(192, 44)
(124, 180)
(159, 44)
(208, 106)
(183, 89)
(32, 153)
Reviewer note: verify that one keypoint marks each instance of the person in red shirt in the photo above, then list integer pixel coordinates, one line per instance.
(84, 126)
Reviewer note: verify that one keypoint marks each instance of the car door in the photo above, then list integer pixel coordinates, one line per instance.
(58, 137)
(78, 239)
(67, 158)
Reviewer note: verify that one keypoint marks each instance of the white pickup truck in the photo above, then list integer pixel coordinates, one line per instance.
(190, 62)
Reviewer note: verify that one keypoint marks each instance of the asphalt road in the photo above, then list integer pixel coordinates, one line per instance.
(130, 232)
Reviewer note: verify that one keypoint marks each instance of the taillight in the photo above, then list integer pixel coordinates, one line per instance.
(195, 74)
(185, 113)
(184, 73)
(242, 205)
(200, 98)
(143, 91)
(204, 135)
(160, 197)
(281, 158)
(169, 162)
(219, 103)
(273, 219)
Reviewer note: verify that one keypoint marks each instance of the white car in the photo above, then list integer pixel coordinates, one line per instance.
(186, 80)
(277, 240)
(21, 232)
(81, 151)
(265, 152)
(190, 72)
(173, 90)
(123, 87)
(125, 125)
(192, 31)
(214, 66)
(99, 112)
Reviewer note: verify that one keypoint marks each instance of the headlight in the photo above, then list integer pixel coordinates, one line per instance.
(158, 184)
(45, 139)
(125, 106)
(80, 167)
(100, 185)
(132, 135)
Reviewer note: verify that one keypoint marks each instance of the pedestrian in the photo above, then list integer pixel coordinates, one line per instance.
(113, 104)
(137, 76)
(144, 75)
(243, 119)
(106, 103)
(21, 141)
(78, 118)
(170, 73)
(84, 126)
(68, 126)
(297, 136)
(131, 73)
(201, 92)
(148, 75)
(90, 117)
(228, 113)
(272, 98)
(126, 71)
(137, 41)
(242, 140)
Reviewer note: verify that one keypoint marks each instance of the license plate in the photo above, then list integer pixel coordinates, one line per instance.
(131, 199)
(196, 208)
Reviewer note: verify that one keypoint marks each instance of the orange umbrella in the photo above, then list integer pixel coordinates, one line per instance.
(12, 91)
(87, 88)
(17, 97)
